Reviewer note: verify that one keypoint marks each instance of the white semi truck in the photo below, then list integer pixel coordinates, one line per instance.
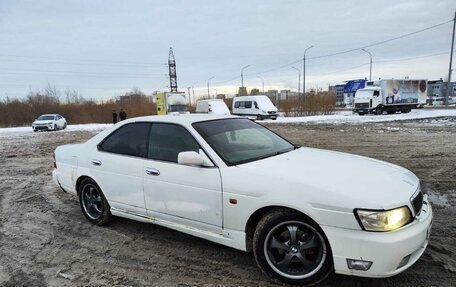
(168, 103)
(390, 96)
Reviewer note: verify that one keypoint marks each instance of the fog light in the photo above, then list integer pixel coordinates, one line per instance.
(404, 261)
(359, 264)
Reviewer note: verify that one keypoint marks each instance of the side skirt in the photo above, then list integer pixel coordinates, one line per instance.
(230, 238)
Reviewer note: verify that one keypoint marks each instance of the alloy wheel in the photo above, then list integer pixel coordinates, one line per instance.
(295, 250)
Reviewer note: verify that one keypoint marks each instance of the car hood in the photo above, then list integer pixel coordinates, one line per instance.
(339, 178)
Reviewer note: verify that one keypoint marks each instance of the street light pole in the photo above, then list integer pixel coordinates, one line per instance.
(242, 79)
(299, 80)
(304, 72)
(263, 82)
(450, 86)
(370, 64)
(208, 85)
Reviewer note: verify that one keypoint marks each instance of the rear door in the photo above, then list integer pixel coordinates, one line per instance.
(117, 166)
(188, 195)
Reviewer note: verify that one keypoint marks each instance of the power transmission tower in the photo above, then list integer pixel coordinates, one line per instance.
(172, 71)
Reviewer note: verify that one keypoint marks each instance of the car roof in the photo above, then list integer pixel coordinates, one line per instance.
(50, 115)
(181, 118)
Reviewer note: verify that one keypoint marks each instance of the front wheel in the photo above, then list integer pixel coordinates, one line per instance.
(379, 111)
(64, 126)
(292, 248)
(94, 205)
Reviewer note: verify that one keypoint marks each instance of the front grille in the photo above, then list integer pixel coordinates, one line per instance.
(417, 203)
(361, 105)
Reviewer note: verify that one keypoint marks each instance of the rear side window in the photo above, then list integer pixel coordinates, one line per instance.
(130, 139)
(166, 141)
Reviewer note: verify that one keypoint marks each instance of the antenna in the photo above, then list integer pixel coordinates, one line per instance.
(172, 71)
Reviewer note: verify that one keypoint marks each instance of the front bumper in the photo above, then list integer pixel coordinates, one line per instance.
(385, 249)
(43, 128)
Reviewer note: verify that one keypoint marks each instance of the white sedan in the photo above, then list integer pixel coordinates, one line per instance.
(304, 212)
(49, 122)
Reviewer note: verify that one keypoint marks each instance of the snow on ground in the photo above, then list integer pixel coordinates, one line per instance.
(84, 127)
(349, 117)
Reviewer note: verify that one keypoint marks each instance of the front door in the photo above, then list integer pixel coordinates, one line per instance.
(189, 195)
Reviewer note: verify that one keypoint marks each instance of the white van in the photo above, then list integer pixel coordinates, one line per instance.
(215, 106)
(260, 107)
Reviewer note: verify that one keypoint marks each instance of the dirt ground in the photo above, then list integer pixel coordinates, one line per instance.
(46, 241)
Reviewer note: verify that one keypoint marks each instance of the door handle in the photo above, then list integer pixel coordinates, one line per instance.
(152, 171)
(96, 162)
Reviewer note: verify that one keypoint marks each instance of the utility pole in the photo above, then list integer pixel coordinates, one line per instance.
(262, 81)
(189, 96)
(299, 81)
(450, 86)
(304, 73)
(172, 71)
(242, 79)
(208, 86)
(370, 64)
(193, 94)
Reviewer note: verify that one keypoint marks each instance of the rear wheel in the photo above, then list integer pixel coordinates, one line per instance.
(361, 114)
(94, 205)
(292, 248)
(391, 112)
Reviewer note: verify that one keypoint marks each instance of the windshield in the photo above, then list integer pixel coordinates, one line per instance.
(239, 141)
(178, 108)
(46, 118)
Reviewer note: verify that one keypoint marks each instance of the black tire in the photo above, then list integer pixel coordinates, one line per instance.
(283, 259)
(93, 203)
(361, 114)
(34, 130)
(379, 111)
(64, 126)
(408, 109)
(275, 118)
(55, 127)
(390, 112)
(259, 117)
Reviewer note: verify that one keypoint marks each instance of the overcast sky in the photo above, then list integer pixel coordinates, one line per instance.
(104, 48)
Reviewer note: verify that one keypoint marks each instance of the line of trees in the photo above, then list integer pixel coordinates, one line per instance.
(78, 110)
(75, 108)
(314, 103)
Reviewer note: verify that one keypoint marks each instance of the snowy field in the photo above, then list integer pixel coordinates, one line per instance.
(338, 118)
(85, 127)
(348, 117)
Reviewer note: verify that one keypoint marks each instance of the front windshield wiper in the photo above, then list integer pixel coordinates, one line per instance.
(263, 156)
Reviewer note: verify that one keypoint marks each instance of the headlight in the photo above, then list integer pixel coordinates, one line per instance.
(383, 220)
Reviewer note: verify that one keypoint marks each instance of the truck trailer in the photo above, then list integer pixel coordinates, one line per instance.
(168, 103)
(390, 96)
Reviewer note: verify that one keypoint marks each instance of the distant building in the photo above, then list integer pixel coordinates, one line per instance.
(345, 91)
(273, 94)
(339, 90)
(287, 95)
(350, 89)
(437, 90)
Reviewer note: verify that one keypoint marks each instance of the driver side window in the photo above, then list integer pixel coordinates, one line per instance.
(166, 141)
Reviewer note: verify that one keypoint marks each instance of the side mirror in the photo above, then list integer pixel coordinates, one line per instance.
(190, 158)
